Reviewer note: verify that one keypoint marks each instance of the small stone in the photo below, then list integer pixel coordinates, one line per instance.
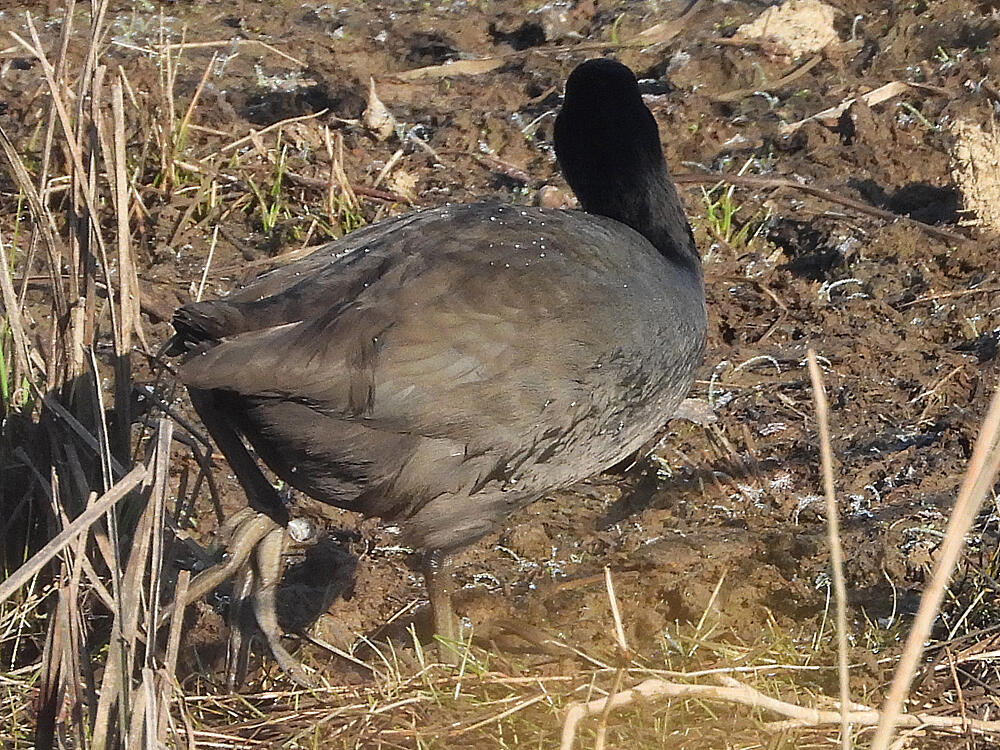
(549, 196)
(301, 529)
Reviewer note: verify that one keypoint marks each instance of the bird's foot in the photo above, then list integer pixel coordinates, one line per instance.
(253, 560)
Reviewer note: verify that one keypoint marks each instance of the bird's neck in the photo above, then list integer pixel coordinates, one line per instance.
(647, 201)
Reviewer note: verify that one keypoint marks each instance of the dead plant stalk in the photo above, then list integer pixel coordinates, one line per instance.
(733, 691)
(80, 524)
(836, 549)
(976, 485)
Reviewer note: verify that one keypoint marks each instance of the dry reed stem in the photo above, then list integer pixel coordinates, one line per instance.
(74, 424)
(150, 686)
(833, 539)
(615, 611)
(80, 524)
(43, 220)
(138, 708)
(61, 304)
(174, 638)
(977, 483)
(158, 498)
(167, 674)
(62, 59)
(601, 735)
(67, 622)
(67, 124)
(623, 650)
(12, 307)
(125, 315)
(82, 224)
(958, 686)
(116, 687)
(389, 166)
(51, 680)
(90, 91)
(208, 262)
(101, 537)
(78, 475)
(182, 222)
(102, 430)
(98, 10)
(255, 134)
(129, 289)
(196, 96)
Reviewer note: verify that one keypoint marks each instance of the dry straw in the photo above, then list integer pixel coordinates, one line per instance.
(836, 549)
(978, 482)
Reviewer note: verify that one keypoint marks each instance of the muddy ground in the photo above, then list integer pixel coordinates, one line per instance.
(906, 322)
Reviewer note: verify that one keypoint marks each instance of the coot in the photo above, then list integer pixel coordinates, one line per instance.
(444, 368)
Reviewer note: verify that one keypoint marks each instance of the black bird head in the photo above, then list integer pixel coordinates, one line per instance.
(609, 150)
(605, 137)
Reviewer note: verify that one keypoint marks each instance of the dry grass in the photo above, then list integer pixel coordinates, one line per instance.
(86, 658)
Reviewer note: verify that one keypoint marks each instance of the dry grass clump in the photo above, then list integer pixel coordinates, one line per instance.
(94, 495)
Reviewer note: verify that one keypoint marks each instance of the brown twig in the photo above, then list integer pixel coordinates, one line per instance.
(948, 295)
(958, 688)
(492, 164)
(253, 134)
(21, 346)
(666, 31)
(735, 96)
(616, 616)
(382, 195)
(736, 692)
(770, 183)
(197, 95)
(228, 43)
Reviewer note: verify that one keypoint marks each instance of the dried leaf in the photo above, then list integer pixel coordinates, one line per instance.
(377, 117)
(404, 183)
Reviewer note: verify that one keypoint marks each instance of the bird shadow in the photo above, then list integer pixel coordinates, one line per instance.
(311, 585)
(652, 489)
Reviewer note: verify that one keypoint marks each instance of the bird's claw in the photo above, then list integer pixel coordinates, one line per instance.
(256, 539)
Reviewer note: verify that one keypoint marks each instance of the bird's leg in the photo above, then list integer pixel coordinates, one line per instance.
(246, 534)
(267, 565)
(229, 527)
(261, 495)
(437, 579)
(262, 534)
(237, 653)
